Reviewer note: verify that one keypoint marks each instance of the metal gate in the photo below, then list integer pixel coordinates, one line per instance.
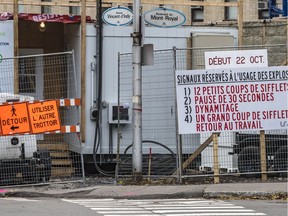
(37, 146)
(167, 154)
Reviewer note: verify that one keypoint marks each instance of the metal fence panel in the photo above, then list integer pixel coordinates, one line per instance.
(230, 160)
(160, 128)
(158, 118)
(46, 156)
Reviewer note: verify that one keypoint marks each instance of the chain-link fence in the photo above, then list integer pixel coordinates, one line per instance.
(236, 152)
(168, 154)
(158, 102)
(40, 120)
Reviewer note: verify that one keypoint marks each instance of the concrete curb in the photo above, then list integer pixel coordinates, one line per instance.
(215, 191)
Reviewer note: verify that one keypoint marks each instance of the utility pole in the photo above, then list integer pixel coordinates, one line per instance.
(137, 93)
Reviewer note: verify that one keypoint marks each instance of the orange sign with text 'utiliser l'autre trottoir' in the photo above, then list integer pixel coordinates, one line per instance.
(44, 116)
(14, 119)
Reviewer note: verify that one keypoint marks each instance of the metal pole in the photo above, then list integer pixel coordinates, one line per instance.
(137, 94)
(178, 136)
(285, 8)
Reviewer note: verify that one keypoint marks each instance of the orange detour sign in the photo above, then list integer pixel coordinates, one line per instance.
(44, 116)
(14, 118)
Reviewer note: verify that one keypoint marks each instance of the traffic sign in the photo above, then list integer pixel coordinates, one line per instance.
(44, 116)
(14, 118)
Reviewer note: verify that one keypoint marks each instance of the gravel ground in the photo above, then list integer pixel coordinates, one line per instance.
(96, 180)
(91, 181)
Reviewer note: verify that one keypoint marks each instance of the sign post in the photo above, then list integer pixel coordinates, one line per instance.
(137, 94)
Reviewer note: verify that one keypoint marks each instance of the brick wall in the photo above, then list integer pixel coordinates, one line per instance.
(268, 33)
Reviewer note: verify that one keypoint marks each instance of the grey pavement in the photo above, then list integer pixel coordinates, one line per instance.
(263, 190)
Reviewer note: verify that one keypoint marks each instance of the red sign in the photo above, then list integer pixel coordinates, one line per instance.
(45, 17)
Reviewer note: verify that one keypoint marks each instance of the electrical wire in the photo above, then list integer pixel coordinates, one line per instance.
(97, 135)
(161, 163)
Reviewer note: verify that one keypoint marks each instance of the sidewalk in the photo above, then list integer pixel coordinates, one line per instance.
(228, 190)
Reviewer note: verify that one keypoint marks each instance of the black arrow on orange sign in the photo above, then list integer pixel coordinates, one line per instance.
(14, 127)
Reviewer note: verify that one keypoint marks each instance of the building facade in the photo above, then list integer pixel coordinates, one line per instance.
(253, 10)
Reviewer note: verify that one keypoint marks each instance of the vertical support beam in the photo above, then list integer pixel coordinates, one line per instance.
(16, 46)
(83, 67)
(263, 156)
(215, 158)
(285, 7)
(137, 93)
(179, 162)
(189, 53)
(240, 22)
(178, 136)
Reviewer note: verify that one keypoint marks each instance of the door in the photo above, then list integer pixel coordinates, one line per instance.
(31, 71)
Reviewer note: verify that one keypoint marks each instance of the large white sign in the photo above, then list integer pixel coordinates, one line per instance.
(232, 99)
(6, 39)
(6, 51)
(233, 59)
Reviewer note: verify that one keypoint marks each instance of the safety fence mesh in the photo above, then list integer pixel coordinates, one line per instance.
(158, 116)
(239, 152)
(40, 122)
(168, 154)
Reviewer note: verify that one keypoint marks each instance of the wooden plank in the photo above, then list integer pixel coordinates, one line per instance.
(180, 2)
(198, 151)
(61, 162)
(16, 46)
(215, 158)
(194, 155)
(150, 2)
(62, 171)
(83, 68)
(263, 156)
(285, 62)
(240, 22)
(62, 146)
(57, 154)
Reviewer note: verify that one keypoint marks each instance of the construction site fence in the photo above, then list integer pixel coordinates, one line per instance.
(169, 155)
(46, 156)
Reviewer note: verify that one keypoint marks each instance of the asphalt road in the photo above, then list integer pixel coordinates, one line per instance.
(112, 207)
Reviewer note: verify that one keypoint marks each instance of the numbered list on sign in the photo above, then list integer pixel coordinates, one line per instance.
(232, 100)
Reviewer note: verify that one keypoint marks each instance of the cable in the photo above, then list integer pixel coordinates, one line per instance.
(163, 163)
(95, 149)
(97, 135)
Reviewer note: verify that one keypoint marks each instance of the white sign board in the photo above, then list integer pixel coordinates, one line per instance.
(6, 51)
(232, 99)
(118, 16)
(164, 18)
(6, 39)
(239, 58)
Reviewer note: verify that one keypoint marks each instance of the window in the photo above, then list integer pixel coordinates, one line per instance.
(46, 9)
(103, 9)
(74, 10)
(27, 76)
(20, 8)
(31, 73)
(130, 6)
(197, 13)
(263, 11)
(231, 13)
